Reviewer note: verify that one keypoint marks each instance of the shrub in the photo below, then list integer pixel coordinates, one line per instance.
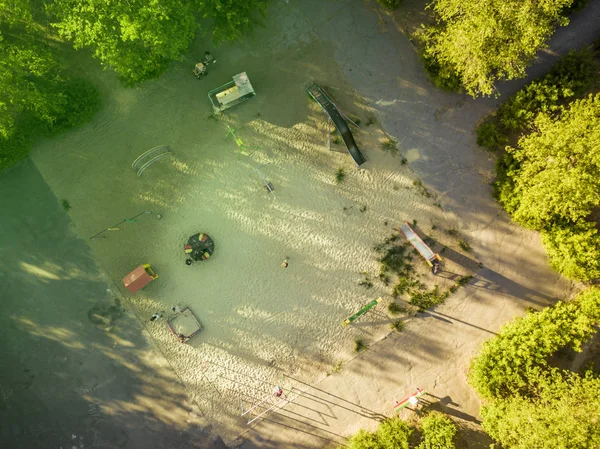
(360, 345)
(490, 137)
(507, 363)
(340, 174)
(395, 309)
(390, 4)
(438, 432)
(569, 78)
(427, 299)
(574, 251)
(443, 77)
(397, 325)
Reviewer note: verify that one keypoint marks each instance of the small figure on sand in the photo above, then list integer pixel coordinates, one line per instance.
(189, 261)
(285, 262)
(156, 316)
(176, 309)
(278, 391)
(182, 338)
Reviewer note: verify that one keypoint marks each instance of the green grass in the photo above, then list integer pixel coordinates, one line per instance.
(427, 299)
(397, 325)
(463, 280)
(340, 174)
(360, 345)
(390, 146)
(66, 205)
(464, 245)
(421, 189)
(371, 120)
(395, 309)
(336, 368)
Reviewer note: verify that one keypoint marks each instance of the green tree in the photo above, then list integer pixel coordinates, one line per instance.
(574, 251)
(565, 414)
(392, 433)
(137, 38)
(438, 432)
(507, 363)
(486, 41)
(559, 167)
(233, 19)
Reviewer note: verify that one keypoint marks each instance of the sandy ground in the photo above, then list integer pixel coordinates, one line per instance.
(265, 325)
(261, 322)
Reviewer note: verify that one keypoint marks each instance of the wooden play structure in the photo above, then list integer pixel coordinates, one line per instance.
(139, 278)
(433, 260)
(232, 93)
(148, 158)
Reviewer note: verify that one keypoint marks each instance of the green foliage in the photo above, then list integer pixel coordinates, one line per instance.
(66, 205)
(510, 362)
(421, 189)
(360, 345)
(340, 174)
(442, 76)
(569, 78)
(233, 19)
(490, 137)
(395, 309)
(390, 146)
(559, 170)
(138, 38)
(574, 251)
(565, 413)
(426, 299)
(392, 433)
(397, 325)
(483, 42)
(438, 432)
(390, 4)
(36, 94)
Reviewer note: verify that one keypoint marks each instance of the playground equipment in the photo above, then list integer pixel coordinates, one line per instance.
(277, 398)
(139, 278)
(148, 158)
(268, 185)
(413, 400)
(185, 325)
(362, 311)
(336, 116)
(232, 93)
(433, 260)
(242, 148)
(199, 247)
(116, 227)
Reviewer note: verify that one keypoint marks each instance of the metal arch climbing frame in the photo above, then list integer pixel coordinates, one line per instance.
(149, 157)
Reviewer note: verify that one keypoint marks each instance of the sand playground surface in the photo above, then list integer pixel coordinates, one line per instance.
(264, 325)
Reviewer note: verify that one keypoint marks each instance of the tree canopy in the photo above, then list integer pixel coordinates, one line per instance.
(527, 402)
(486, 41)
(139, 38)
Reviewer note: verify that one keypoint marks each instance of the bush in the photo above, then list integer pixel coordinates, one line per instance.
(438, 432)
(508, 364)
(443, 77)
(427, 299)
(574, 251)
(490, 137)
(390, 4)
(569, 78)
(392, 433)
(13, 149)
(82, 102)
